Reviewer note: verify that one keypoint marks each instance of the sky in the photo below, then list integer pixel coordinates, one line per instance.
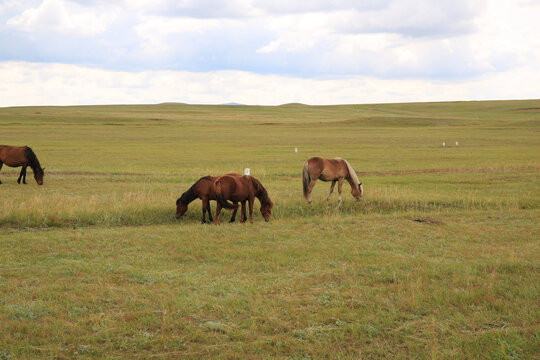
(260, 52)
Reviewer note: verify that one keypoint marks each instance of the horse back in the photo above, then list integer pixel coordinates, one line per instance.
(315, 166)
(236, 187)
(327, 169)
(228, 185)
(205, 186)
(13, 155)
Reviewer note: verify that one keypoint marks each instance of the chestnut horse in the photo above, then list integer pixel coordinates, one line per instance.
(202, 189)
(332, 170)
(241, 189)
(16, 156)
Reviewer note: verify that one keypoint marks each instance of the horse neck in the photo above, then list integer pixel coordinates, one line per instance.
(263, 196)
(350, 179)
(351, 175)
(189, 196)
(34, 162)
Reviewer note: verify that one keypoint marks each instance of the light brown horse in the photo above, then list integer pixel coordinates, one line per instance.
(16, 156)
(202, 189)
(332, 170)
(241, 189)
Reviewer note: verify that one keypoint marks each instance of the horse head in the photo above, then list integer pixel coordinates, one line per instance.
(180, 208)
(262, 195)
(357, 191)
(38, 175)
(266, 209)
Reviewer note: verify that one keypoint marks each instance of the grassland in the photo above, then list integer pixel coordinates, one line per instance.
(440, 260)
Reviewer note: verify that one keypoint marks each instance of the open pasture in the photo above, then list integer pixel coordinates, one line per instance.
(439, 260)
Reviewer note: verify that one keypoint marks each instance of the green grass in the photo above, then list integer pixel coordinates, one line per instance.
(440, 260)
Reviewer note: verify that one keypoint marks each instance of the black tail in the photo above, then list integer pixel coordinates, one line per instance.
(220, 197)
(305, 179)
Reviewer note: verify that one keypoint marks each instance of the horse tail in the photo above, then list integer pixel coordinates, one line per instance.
(220, 197)
(305, 179)
(352, 173)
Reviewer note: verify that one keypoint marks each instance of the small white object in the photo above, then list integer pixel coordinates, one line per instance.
(457, 143)
(295, 150)
(443, 144)
(247, 171)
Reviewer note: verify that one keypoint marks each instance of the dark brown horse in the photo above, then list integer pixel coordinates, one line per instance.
(202, 189)
(16, 156)
(332, 170)
(241, 189)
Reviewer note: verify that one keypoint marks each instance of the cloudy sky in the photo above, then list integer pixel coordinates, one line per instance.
(61, 52)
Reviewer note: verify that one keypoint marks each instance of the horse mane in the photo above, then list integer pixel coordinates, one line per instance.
(190, 195)
(261, 194)
(32, 160)
(352, 173)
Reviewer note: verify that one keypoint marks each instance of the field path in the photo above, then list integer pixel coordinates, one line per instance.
(437, 171)
(361, 173)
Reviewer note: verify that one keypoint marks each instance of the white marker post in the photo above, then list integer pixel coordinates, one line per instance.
(247, 171)
(443, 144)
(295, 150)
(457, 143)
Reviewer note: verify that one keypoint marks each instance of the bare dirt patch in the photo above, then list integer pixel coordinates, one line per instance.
(529, 109)
(429, 220)
(436, 171)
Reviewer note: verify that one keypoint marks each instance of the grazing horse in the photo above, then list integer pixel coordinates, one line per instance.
(332, 170)
(202, 189)
(16, 156)
(241, 189)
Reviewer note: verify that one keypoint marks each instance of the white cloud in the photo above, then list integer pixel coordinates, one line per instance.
(61, 17)
(449, 48)
(59, 84)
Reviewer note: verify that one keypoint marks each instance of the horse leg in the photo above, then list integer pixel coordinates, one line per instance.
(331, 189)
(340, 186)
(251, 200)
(205, 204)
(210, 218)
(310, 187)
(21, 175)
(218, 210)
(243, 217)
(233, 216)
(1, 164)
(24, 175)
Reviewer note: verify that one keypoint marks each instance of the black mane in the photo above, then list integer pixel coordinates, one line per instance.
(261, 194)
(33, 160)
(190, 195)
